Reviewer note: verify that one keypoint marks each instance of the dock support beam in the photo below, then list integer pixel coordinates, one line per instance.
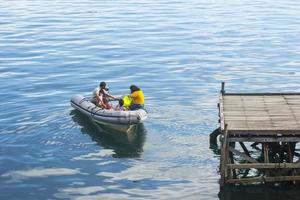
(224, 156)
(233, 171)
(266, 127)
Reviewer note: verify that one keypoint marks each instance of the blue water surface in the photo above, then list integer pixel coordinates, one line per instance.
(178, 52)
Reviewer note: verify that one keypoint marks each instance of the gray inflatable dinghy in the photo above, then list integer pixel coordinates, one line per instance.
(118, 120)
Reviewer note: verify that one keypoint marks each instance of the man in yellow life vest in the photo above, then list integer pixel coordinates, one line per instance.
(137, 96)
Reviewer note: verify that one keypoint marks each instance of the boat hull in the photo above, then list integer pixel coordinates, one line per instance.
(117, 120)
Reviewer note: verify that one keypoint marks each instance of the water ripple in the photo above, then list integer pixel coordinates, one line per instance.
(178, 52)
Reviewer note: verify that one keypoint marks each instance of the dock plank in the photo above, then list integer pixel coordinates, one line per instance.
(262, 112)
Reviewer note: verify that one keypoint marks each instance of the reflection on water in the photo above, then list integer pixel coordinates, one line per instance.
(124, 144)
(213, 142)
(259, 192)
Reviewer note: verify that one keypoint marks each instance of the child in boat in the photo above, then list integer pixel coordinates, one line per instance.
(120, 106)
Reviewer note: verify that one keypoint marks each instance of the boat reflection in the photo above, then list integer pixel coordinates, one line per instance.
(124, 144)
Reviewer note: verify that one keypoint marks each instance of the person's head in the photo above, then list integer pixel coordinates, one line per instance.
(134, 88)
(102, 85)
(121, 102)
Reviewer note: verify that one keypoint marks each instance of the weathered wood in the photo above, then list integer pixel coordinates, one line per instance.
(245, 149)
(261, 112)
(264, 166)
(290, 153)
(263, 179)
(244, 156)
(266, 152)
(253, 145)
(224, 156)
(264, 139)
(266, 156)
(233, 172)
(265, 94)
(270, 131)
(221, 112)
(267, 118)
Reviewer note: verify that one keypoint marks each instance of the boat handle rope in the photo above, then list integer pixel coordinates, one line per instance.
(82, 100)
(94, 113)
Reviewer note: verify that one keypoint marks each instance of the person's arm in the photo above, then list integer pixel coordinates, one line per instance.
(110, 96)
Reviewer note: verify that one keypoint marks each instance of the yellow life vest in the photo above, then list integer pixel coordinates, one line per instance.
(127, 101)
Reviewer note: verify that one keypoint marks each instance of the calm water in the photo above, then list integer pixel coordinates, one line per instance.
(178, 52)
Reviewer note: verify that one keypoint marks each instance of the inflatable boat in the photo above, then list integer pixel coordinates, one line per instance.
(117, 120)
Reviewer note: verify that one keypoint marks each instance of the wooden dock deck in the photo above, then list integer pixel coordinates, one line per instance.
(269, 119)
(268, 113)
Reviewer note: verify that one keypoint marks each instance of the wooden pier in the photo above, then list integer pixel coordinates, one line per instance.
(259, 133)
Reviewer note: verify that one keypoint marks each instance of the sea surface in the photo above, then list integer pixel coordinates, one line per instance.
(177, 52)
